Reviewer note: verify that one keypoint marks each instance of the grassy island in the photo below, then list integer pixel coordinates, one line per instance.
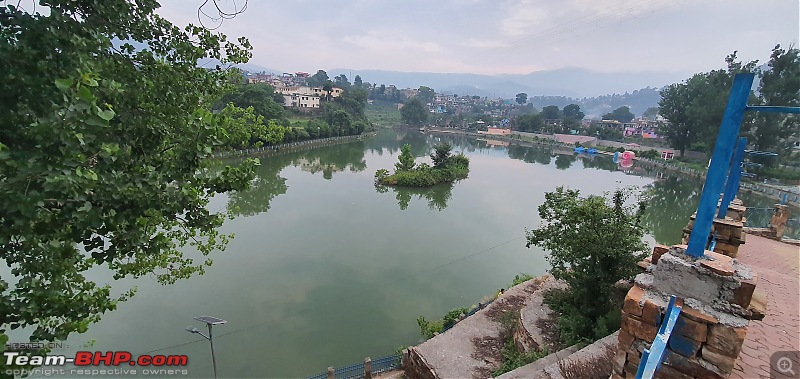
(447, 168)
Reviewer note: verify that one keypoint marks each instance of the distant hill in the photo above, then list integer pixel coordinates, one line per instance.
(570, 82)
(638, 101)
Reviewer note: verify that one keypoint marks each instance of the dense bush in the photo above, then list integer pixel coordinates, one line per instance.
(650, 154)
(593, 242)
(447, 168)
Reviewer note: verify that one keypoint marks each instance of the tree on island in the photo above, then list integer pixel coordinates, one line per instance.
(104, 154)
(447, 168)
(592, 242)
(414, 112)
(522, 98)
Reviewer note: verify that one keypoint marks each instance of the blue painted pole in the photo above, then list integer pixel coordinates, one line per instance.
(735, 174)
(720, 161)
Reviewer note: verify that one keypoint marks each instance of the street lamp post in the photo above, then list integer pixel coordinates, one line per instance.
(209, 321)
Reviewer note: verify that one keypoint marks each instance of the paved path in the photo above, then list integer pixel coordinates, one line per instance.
(777, 266)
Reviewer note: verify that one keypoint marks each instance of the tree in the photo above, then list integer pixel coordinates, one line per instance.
(551, 112)
(621, 114)
(358, 82)
(573, 112)
(328, 88)
(522, 98)
(592, 242)
(341, 81)
(104, 155)
(425, 95)
(694, 107)
(318, 79)
(261, 97)
(441, 154)
(651, 113)
(413, 112)
(530, 123)
(778, 86)
(405, 160)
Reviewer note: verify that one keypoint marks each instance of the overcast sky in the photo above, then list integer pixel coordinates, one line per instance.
(504, 36)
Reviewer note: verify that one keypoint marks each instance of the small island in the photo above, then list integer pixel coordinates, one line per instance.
(447, 168)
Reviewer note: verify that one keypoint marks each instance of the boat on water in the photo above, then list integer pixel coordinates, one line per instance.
(422, 129)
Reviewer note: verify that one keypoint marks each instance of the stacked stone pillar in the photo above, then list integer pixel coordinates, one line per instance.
(715, 293)
(778, 221)
(729, 235)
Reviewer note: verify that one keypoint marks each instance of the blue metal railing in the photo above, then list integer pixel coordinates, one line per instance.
(652, 357)
(357, 371)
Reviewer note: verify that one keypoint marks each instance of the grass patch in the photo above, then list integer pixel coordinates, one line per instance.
(383, 114)
(511, 357)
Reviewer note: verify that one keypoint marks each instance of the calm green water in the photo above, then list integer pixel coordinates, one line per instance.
(325, 270)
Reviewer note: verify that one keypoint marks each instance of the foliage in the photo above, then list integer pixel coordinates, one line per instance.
(425, 95)
(318, 80)
(261, 97)
(245, 129)
(511, 357)
(551, 112)
(406, 160)
(441, 154)
(593, 242)
(451, 168)
(650, 154)
(695, 107)
(621, 114)
(530, 123)
(429, 328)
(651, 113)
(522, 98)
(414, 112)
(103, 152)
(573, 112)
(521, 278)
(778, 86)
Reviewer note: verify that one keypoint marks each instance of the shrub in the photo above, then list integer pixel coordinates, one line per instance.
(593, 242)
(521, 278)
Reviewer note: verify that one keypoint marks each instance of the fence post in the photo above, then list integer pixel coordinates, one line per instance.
(367, 368)
(331, 373)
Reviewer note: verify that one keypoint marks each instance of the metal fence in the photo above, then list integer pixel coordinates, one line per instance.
(359, 370)
(387, 363)
(292, 145)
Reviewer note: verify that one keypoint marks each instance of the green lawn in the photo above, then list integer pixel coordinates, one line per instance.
(383, 114)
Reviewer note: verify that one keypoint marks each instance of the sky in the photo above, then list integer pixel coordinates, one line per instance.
(502, 36)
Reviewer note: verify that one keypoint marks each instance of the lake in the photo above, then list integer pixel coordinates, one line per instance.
(326, 270)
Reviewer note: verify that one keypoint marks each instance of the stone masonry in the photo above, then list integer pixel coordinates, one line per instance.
(715, 294)
(729, 235)
(777, 224)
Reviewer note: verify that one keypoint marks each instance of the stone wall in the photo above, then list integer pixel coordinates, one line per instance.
(715, 295)
(415, 366)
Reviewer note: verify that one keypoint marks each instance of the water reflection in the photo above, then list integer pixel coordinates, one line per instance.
(268, 183)
(436, 196)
